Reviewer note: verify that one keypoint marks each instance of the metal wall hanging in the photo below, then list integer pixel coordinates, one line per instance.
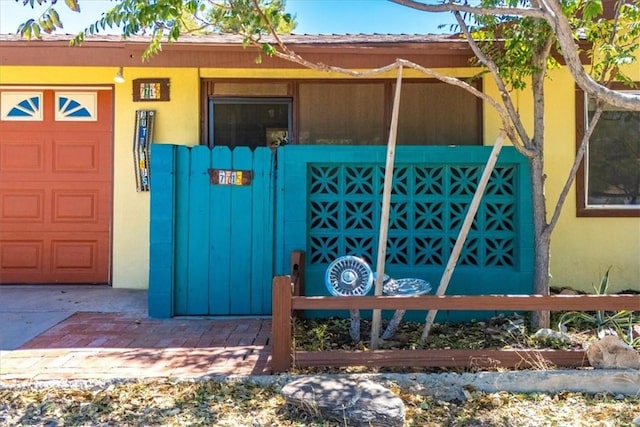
(141, 145)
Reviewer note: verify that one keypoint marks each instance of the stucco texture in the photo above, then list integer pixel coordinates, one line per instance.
(582, 248)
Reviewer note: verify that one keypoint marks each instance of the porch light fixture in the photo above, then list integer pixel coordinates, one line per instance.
(119, 78)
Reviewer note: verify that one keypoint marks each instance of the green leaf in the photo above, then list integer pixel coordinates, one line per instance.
(73, 5)
(592, 9)
(174, 34)
(26, 32)
(268, 49)
(55, 18)
(604, 283)
(45, 24)
(23, 27)
(77, 40)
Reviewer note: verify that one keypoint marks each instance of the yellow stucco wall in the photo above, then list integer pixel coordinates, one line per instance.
(176, 122)
(582, 248)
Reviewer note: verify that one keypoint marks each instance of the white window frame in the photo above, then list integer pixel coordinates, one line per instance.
(9, 100)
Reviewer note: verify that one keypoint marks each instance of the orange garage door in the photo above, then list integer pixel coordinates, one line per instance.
(55, 185)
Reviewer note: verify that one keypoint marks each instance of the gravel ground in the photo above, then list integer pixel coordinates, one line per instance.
(247, 402)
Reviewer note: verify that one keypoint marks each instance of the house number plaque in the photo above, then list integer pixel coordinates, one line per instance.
(151, 90)
(230, 177)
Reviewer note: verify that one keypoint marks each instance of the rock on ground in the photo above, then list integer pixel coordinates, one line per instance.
(352, 401)
(612, 353)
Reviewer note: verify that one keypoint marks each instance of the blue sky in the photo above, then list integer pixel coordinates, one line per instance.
(313, 16)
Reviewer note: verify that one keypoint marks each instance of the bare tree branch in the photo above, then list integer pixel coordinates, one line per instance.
(539, 62)
(550, 10)
(565, 36)
(584, 143)
(267, 21)
(525, 145)
(452, 6)
(537, 82)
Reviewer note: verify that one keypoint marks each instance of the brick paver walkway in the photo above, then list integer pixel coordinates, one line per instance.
(123, 345)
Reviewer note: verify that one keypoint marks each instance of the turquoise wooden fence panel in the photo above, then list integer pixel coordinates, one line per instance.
(212, 246)
(215, 248)
(221, 229)
(162, 268)
(331, 201)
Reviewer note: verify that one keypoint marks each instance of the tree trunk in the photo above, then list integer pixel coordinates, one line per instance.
(542, 241)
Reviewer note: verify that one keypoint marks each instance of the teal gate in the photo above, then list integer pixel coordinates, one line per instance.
(211, 236)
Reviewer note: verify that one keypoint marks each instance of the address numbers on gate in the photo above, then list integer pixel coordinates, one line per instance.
(230, 177)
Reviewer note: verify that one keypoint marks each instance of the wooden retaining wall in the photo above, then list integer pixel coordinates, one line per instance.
(286, 301)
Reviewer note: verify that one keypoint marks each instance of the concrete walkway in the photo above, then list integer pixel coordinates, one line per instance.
(83, 332)
(27, 311)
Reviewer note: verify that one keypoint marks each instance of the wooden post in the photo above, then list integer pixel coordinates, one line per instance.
(281, 324)
(464, 230)
(386, 205)
(297, 272)
(297, 277)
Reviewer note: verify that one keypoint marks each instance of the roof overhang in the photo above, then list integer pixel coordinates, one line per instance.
(226, 51)
(353, 51)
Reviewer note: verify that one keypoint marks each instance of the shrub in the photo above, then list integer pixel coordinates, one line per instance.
(620, 322)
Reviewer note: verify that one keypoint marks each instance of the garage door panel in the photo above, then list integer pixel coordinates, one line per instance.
(21, 156)
(22, 205)
(74, 254)
(71, 206)
(81, 154)
(81, 205)
(72, 156)
(75, 206)
(77, 258)
(21, 256)
(60, 258)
